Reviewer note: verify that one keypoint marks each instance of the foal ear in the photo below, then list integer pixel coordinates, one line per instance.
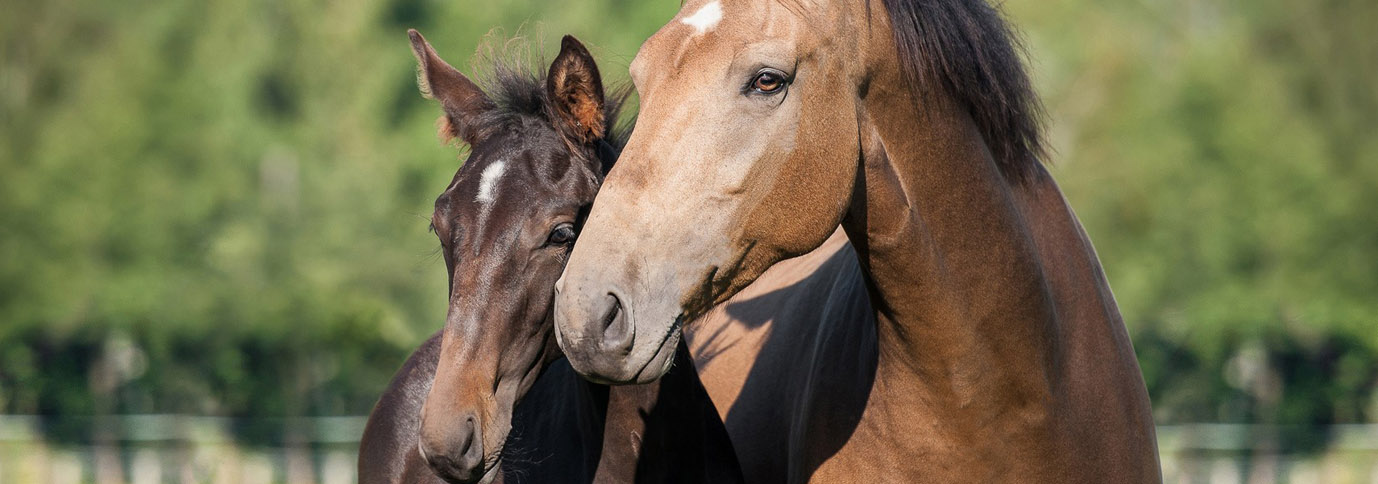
(576, 91)
(461, 99)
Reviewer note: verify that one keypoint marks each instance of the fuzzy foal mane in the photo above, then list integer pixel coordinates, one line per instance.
(518, 90)
(966, 49)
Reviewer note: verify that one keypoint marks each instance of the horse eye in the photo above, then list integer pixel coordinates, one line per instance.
(768, 82)
(561, 235)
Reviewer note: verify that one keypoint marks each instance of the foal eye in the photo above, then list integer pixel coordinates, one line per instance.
(561, 235)
(769, 82)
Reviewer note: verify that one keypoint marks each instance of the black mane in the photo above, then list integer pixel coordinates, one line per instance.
(966, 49)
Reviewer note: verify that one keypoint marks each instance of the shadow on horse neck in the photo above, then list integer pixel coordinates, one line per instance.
(489, 397)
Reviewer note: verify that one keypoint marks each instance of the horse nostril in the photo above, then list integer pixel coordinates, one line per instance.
(614, 310)
(471, 451)
(617, 331)
(461, 460)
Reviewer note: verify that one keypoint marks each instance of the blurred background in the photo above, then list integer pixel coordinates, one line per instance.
(214, 255)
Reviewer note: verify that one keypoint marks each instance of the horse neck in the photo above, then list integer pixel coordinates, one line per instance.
(964, 306)
(991, 306)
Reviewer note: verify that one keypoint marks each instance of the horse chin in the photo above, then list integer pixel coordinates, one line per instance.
(492, 473)
(664, 357)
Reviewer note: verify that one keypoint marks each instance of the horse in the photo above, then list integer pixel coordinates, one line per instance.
(912, 124)
(488, 398)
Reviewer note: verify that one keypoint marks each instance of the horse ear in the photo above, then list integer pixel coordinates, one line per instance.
(461, 99)
(576, 91)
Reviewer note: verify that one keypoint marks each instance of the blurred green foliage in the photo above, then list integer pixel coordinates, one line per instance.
(220, 207)
(1223, 155)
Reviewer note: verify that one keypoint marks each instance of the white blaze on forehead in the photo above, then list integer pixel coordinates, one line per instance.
(706, 18)
(488, 181)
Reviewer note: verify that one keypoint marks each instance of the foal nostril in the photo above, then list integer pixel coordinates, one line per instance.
(461, 458)
(617, 330)
(471, 450)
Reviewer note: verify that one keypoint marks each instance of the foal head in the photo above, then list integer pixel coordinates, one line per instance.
(506, 223)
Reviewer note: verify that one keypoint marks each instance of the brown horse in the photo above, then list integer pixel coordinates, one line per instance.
(765, 124)
(490, 389)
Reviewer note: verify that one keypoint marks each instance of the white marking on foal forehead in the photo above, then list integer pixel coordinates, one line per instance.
(488, 181)
(706, 18)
